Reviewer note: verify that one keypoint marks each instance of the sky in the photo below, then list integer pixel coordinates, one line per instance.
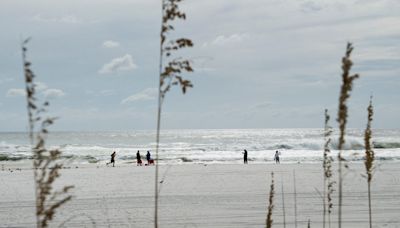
(258, 63)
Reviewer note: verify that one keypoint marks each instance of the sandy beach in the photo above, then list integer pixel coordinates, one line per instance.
(200, 196)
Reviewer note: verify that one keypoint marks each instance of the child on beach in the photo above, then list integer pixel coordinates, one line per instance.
(112, 159)
(276, 158)
(245, 156)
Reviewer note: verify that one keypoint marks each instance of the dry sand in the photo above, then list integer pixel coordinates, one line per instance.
(200, 196)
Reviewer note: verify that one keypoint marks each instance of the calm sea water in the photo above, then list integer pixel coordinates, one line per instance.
(203, 146)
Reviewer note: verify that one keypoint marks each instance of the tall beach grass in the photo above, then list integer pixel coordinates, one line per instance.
(171, 68)
(369, 157)
(268, 221)
(46, 165)
(327, 166)
(347, 85)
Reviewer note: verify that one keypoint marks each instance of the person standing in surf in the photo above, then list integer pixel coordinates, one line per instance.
(245, 157)
(148, 157)
(138, 158)
(276, 158)
(112, 159)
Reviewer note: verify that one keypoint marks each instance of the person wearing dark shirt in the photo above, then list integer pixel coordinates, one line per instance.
(148, 157)
(112, 159)
(138, 158)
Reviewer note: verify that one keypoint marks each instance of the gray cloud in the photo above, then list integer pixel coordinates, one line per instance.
(310, 6)
(15, 93)
(110, 44)
(124, 63)
(222, 40)
(53, 93)
(67, 19)
(40, 86)
(147, 94)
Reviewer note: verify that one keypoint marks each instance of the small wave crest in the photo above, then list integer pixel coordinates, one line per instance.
(386, 145)
(8, 157)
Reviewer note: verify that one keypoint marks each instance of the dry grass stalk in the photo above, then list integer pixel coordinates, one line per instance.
(347, 84)
(295, 198)
(327, 165)
(268, 222)
(170, 71)
(283, 204)
(45, 165)
(369, 157)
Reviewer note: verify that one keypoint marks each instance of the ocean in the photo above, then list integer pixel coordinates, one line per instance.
(203, 145)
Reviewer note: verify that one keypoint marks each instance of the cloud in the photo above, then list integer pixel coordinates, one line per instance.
(227, 40)
(40, 86)
(310, 7)
(147, 94)
(110, 44)
(15, 93)
(107, 92)
(53, 93)
(124, 63)
(263, 105)
(67, 19)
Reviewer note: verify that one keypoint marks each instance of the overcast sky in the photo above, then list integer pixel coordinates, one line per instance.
(258, 63)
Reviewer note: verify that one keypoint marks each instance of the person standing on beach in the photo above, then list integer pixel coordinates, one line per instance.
(112, 159)
(148, 157)
(276, 158)
(138, 158)
(245, 156)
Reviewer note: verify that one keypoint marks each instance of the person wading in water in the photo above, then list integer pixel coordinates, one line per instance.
(245, 156)
(276, 158)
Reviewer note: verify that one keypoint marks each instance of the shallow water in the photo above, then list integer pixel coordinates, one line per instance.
(204, 146)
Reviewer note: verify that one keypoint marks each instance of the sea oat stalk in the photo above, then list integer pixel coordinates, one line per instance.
(347, 85)
(170, 72)
(295, 198)
(283, 204)
(327, 165)
(268, 222)
(369, 157)
(45, 162)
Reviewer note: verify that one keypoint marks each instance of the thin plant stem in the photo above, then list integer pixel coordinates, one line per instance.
(45, 162)
(347, 83)
(369, 157)
(295, 198)
(283, 204)
(158, 124)
(324, 203)
(30, 86)
(327, 165)
(169, 74)
(268, 222)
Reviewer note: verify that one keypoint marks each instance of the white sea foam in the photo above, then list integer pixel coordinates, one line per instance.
(204, 146)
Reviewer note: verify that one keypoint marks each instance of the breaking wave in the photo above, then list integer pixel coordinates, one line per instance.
(203, 146)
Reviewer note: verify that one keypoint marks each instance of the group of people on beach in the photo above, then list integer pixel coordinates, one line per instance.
(138, 159)
(151, 161)
(276, 157)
